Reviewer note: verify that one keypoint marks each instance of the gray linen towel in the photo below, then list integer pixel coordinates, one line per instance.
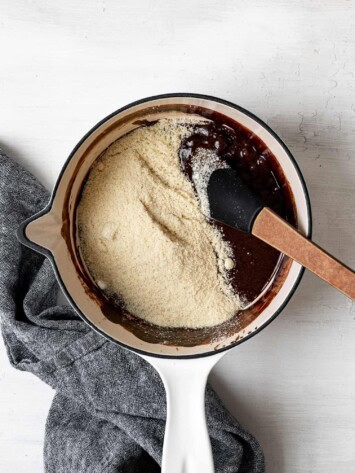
(108, 412)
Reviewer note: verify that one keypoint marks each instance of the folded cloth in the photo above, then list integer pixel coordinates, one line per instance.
(108, 411)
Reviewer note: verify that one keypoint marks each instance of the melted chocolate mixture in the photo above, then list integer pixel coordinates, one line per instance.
(243, 151)
(256, 261)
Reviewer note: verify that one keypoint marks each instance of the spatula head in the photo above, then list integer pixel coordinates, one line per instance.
(231, 201)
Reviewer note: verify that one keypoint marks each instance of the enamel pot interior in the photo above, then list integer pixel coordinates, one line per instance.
(53, 232)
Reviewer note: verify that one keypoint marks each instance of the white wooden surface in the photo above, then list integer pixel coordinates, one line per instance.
(65, 65)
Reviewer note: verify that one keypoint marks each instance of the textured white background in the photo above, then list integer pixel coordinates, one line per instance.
(65, 65)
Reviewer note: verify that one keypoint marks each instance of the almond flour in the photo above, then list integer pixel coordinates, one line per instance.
(144, 237)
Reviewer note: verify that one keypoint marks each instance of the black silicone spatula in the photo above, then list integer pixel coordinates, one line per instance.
(233, 203)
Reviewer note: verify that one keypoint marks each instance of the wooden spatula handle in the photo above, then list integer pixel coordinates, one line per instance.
(272, 229)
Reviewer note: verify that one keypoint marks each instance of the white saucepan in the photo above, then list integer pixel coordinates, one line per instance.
(185, 358)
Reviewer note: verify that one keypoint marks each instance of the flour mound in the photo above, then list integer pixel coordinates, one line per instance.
(144, 236)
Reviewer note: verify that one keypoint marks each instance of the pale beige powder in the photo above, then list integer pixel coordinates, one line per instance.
(144, 237)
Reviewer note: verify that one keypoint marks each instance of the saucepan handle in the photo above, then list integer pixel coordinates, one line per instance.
(187, 447)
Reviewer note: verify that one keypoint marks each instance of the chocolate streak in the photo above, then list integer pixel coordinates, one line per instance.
(243, 151)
